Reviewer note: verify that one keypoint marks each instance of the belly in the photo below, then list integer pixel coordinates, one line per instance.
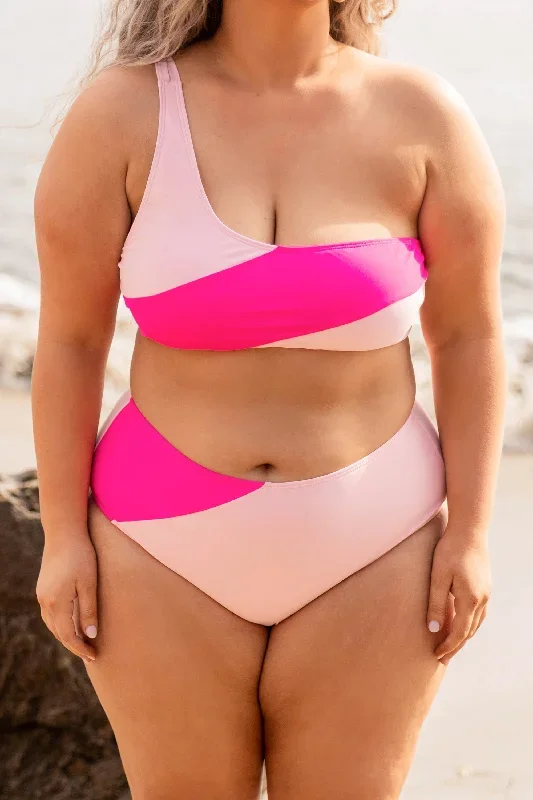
(273, 414)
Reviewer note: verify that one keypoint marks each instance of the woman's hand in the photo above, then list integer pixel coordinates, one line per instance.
(460, 566)
(66, 591)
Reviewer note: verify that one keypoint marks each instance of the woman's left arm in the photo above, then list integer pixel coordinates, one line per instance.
(461, 227)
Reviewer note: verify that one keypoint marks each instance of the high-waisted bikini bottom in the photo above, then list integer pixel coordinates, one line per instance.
(264, 549)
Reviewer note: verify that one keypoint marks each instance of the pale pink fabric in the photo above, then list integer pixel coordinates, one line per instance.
(173, 239)
(277, 546)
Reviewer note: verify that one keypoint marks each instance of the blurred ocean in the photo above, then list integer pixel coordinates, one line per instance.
(484, 49)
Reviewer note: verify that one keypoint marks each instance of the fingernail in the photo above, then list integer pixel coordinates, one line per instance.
(434, 626)
(91, 631)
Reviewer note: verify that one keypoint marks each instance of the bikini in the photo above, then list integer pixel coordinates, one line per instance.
(262, 549)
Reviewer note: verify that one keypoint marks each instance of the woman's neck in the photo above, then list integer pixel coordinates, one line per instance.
(274, 43)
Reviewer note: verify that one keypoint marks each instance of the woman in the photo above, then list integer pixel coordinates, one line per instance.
(280, 578)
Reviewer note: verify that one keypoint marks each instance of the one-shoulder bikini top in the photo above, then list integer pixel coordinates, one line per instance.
(193, 283)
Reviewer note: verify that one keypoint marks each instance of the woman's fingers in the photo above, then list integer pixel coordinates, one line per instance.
(447, 658)
(441, 582)
(66, 592)
(479, 616)
(49, 622)
(68, 637)
(461, 568)
(87, 607)
(76, 617)
(465, 609)
(66, 633)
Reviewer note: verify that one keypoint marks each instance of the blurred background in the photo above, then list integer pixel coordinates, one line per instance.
(478, 739)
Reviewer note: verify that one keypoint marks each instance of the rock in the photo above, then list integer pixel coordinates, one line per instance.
(55, 741)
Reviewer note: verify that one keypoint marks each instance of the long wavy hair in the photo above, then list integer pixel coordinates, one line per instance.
(136, 32)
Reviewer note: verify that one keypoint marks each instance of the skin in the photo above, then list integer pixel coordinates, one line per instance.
(197, 696)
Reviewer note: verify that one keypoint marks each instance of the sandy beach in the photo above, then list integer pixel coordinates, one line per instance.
(477, 743)
(478, 739)
(16, 438)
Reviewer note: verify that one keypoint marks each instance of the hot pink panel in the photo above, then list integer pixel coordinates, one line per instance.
(285, 293)
(137, 474)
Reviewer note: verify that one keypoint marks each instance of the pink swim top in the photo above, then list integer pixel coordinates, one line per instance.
(193, 283)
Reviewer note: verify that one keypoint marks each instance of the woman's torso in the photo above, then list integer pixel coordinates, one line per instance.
(337, 160)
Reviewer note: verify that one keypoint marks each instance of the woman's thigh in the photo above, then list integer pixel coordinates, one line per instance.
(177, 675)
(348, 680)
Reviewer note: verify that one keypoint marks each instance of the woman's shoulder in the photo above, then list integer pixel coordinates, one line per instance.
(112, 119)
(114, 99)
(412, 95)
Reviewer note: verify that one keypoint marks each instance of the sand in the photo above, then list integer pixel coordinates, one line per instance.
(477, 743)
(16, 438)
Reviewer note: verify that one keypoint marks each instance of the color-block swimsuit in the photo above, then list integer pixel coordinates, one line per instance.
(262, 549)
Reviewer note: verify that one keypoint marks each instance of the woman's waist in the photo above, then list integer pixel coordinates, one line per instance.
(268, 430)
(274, 375)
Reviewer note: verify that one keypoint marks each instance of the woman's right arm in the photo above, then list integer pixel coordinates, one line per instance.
(82, 218)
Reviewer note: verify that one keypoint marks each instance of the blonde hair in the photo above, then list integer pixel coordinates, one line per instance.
(139, 32)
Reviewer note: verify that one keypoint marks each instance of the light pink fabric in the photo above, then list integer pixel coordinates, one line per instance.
(173, 239)
(193, 283)
(265, 550)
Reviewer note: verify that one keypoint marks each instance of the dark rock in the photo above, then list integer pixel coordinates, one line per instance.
(55, 741)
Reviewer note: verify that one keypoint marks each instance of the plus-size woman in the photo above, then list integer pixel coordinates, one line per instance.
(287, 552)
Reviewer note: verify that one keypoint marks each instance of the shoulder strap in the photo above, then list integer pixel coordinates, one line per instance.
(174, 182)
(165, 73)
(172, 135)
